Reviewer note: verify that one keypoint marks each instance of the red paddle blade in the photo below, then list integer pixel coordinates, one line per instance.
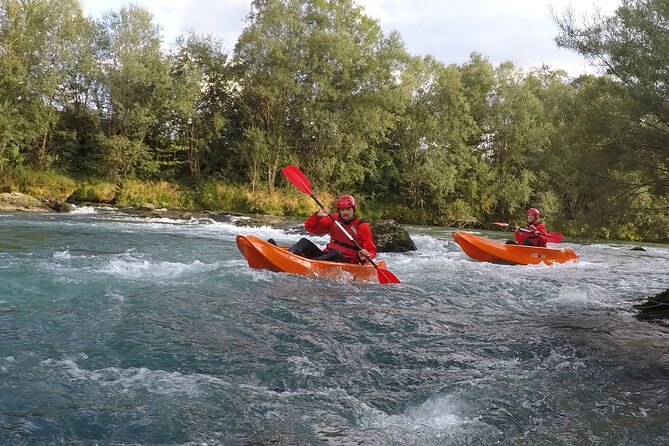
(386, 276)
(298, 179)
(555, 237)
(503, 225)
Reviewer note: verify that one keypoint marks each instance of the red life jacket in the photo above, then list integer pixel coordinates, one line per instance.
(339, 240)
(534, 239)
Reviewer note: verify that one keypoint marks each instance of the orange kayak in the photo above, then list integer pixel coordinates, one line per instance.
(488, 251)
(261, 254)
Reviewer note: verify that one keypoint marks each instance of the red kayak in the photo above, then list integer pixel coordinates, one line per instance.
(485, 250)
(261, 254)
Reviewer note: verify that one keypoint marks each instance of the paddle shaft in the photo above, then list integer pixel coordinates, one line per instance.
(550, 236)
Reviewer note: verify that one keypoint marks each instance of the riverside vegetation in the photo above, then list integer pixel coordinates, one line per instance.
(98, 110)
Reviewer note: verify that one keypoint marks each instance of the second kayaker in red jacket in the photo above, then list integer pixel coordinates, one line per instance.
(340, 248)
(532, 233)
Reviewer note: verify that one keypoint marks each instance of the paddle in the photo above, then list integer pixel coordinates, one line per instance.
(300, 181)
(555, 237)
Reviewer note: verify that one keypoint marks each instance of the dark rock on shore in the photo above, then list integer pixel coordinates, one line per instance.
(58, 205)
(656, 307)
(389, 236)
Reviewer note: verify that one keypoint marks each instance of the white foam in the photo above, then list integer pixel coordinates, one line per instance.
(83, 210)
(135, 269)
(437, 413)
(115, 296)
(587, 296)
(62, 255)
(132, 379)
(303, 366)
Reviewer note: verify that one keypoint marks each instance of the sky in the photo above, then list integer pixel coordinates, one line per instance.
(520, 31)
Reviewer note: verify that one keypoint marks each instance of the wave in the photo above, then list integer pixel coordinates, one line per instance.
(83, 210)
(154, 381)
(143, 269)
(437, 413)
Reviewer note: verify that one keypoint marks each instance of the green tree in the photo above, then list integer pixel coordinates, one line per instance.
(430, 142)
(632, 47)
(202, 83)
(319, 82)
(39, 44)
(514, 134)
(134, 99)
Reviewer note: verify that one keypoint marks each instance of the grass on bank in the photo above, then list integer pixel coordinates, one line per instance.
(47, 185)
(209, 195)
(222, 196)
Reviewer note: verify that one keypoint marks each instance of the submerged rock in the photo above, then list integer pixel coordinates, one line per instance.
(656, 307)
(638, 248)
(58, 205)
(389, 236)
(274, 221)
(146, 211)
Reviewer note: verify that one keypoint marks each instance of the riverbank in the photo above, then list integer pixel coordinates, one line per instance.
(208, 195)
(53, 190)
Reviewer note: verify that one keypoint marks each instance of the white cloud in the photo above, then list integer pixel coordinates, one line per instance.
(522, 31)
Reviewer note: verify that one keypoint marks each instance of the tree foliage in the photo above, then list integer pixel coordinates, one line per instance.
(319, 84)
(631, 46)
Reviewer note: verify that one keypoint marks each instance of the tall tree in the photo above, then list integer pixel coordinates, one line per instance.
(632, 46)
(202, 86)
(430, 143)
(135, 98)
(39, 44)
(319, 84)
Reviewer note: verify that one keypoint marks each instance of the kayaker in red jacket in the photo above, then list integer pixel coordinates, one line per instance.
(340, 248)
(532, 233)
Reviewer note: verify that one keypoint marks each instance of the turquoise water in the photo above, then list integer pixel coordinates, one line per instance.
(120, 330)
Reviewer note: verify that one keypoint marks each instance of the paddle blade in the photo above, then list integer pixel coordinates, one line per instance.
(555, 237)
(386, 276)
(298, 179)
(503, 225)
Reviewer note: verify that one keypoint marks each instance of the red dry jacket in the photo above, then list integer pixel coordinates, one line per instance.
(358, 228)
(535, 240)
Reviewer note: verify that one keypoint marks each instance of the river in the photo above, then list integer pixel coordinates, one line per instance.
(120, 330)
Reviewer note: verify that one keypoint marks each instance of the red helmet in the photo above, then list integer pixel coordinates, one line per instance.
(534, 211)
(345, 201)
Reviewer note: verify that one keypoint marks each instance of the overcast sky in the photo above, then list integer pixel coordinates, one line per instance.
(521, 31)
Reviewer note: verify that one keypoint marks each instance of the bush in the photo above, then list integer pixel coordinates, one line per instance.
(159, 193)
(220, 196)
(95, 191)
(223, 196)
(45, 184)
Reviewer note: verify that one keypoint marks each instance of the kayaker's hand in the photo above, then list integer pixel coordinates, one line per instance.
(323, 212)
(363, 254)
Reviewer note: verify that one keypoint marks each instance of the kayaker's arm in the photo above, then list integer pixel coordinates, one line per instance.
(367, 241)
(318, 225)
